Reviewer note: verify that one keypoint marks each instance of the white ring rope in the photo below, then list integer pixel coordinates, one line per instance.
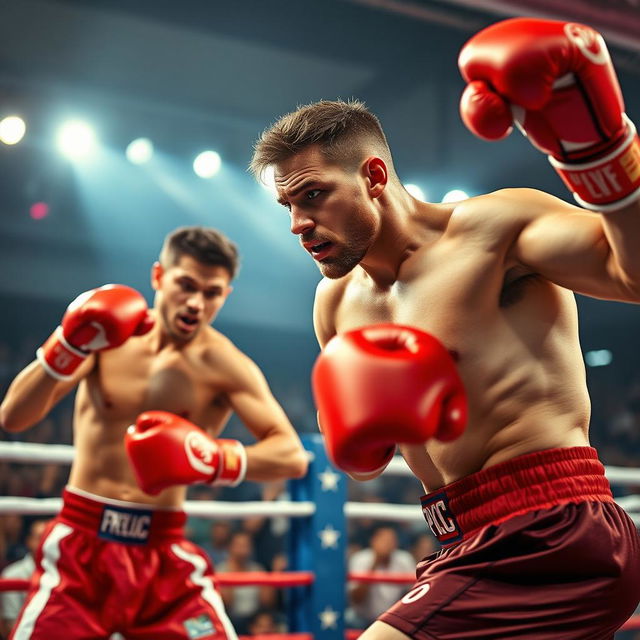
(58, 453)
(232, 510)
(36, 453)
(615, 475)
(47, 453)
(382, 511)
(62, 453)
(200, 508)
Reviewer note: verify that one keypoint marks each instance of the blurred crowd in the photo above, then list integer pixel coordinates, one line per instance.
(260, 544)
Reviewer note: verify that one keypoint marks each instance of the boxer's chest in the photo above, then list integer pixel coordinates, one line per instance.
(131, 380)
(447, 290)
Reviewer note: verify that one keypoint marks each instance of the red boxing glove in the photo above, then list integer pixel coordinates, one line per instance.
(557, 80)
(166, 450)
(381, 385)
(98, 319)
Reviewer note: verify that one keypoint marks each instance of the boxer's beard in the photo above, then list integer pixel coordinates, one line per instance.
(349, 255)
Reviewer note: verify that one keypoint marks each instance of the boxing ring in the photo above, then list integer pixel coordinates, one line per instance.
(317, 538)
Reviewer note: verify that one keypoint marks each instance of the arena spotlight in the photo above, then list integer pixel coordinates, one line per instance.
(455, 195)
(12, 129)
(598, 358)
(39, 210)
(207, 164)
(268, 179)
(139, 151)
(415, 191)
(76, 139)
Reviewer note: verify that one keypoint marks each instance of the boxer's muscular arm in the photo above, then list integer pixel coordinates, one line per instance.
(278, 452)
(324, 307)
(101, 318)
(328, 294)
(557, 81)
(33, 393)
(590, 253)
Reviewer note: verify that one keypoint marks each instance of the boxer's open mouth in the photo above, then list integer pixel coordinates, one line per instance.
(187, 322)
(320, 251)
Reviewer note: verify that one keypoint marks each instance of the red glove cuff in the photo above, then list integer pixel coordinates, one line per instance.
(233, 464)
(58, 358)
(608, 183)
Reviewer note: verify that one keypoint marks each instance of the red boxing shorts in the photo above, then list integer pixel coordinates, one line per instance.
(108, 566)
(534, 548)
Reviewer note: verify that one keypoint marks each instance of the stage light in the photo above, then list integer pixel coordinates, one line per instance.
(39, 210)
(415, 191)
(12, 129)
(76, 139)
(139, 151)
(267, 179)
(455, 195)
(598, 358)
(207, 164)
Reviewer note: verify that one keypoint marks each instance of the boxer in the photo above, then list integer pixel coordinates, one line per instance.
(155, 390)
(451, 330)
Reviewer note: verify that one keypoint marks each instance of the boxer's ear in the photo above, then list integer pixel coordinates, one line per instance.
(376, 174)
(156, 275)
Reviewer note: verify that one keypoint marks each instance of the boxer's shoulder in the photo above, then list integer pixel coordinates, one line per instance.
(215, 347)
(228, 364)
(329, 291)
(500, 215)
(329, 294)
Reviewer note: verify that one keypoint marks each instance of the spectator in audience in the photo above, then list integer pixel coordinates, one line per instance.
(11, 601)
(198, 529)
(362, 529)
(268, 533)
(12, 546)
(368, 600)
(263, 621)
(242, 603)
(217, 544)
(424, 545)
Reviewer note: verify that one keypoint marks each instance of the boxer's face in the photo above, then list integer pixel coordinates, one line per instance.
(330, 208)
(189, 295)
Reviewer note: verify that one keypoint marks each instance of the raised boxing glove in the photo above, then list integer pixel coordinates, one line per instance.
(167, 450)
(98, 319)
(556, 80)
(381, 385)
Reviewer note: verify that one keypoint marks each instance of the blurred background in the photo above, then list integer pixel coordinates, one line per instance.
(119, 99)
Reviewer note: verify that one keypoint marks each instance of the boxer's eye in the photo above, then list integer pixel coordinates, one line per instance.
(187, 287)
(314, 193)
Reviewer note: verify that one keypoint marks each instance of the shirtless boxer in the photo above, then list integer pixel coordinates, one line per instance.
(427, 311)
(115, 559)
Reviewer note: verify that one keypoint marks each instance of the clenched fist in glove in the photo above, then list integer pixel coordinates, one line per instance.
(98, 319)
(557, 81)
(381, 385)
(166, 450)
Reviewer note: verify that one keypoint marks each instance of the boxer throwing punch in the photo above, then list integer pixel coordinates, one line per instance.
(115, 559)
(433, 317)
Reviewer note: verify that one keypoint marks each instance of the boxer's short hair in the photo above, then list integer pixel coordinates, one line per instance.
(342, 130)
(205, 244)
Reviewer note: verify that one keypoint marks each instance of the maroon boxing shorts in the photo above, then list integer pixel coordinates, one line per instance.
(105, 566)
(533, 548)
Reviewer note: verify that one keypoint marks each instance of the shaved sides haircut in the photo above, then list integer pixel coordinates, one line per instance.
(343, 131)
(205, 244)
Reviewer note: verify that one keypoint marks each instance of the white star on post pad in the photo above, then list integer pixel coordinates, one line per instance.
(329, 480)
(329, 537)
(328, 618)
